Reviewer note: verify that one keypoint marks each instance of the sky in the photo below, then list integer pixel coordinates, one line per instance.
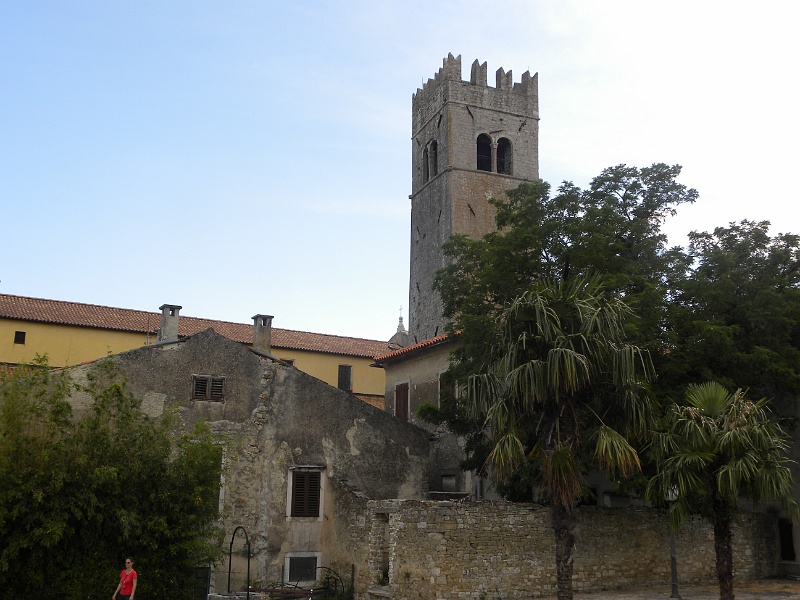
(238, 157)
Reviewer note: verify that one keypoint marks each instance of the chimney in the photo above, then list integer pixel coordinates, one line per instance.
(262, 333)
(169, 323)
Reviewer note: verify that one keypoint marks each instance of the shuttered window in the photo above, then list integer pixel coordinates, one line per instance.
(205, 387)
(305, 493)
(345, 378)
(401, 401)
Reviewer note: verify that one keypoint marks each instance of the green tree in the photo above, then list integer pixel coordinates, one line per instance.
(78, 494)
(735, 316)
(612, 229)
(714, 450)
(562, 392)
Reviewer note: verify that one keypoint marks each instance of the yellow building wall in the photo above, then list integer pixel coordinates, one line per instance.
(366, 379)
(67, 345)
(63, 344)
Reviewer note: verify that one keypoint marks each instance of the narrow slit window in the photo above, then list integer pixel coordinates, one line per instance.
(504, 154)
(401, 401)
(434, 158)
(345, 378)
(425, 171)
(484, 148)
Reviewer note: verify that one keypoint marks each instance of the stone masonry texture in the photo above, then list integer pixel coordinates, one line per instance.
(499, 550)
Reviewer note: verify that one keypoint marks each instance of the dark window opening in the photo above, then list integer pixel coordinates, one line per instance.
(504, 154)
(484, 153)
(449, 483)
(208, 388)
(305, 493)
(19, 337)
(345, 378)
(786, 539)
(434, 158)
(401, 401)
(425, 172)
(302, 568)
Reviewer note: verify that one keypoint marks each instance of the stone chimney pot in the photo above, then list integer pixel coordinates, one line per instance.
(262, 333)
(169, 323)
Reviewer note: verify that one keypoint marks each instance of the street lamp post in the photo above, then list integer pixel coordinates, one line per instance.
(672, 496)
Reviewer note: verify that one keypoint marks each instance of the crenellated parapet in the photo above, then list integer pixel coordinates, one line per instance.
(447, 86)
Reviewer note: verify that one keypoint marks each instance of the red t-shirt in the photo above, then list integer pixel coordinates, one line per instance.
(127, 579)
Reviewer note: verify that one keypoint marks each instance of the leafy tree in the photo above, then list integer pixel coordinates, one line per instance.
(735, 317)
(78, 494)
(612, 229)
(717, 448)
(562, 391)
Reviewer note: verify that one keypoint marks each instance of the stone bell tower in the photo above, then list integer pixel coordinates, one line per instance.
(470, 142)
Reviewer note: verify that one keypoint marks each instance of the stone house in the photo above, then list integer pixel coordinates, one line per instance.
(297, 449)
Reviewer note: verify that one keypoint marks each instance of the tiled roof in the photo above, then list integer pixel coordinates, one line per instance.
(77, 314)
(413, 349)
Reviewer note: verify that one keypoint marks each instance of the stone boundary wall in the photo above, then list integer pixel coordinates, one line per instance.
(499, 550)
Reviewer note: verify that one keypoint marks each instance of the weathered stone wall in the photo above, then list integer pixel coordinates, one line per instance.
(276, 420)
(502, 550)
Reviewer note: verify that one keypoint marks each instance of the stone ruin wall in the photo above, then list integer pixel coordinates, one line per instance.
(487, 550)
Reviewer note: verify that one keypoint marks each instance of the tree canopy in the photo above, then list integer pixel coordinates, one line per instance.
(734, 317)
(713, 450)
(79, 494)
(727, 309)
(562, 391)
(612, 229)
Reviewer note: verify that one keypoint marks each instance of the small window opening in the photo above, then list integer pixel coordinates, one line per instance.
(208, 388)
(504, 164)
(434, 158)
(401, 401)
(305, 493)
(345, 378)
(425, 172)
(449, 483)
(786, 539)
(302, 568)
(171, 312)
(19, 337)
(484, 153)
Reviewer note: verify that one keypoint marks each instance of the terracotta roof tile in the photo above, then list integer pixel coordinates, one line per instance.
(77, 314)
(414, 348)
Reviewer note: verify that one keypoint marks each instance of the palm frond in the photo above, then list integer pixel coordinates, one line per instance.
(613, 452)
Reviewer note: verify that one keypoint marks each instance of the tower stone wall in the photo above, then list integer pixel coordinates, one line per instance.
(470, 142)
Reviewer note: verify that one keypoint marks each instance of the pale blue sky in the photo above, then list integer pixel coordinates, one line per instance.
(243, 157)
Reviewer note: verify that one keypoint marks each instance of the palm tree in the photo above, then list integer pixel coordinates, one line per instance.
(562, 391)
(717, 448)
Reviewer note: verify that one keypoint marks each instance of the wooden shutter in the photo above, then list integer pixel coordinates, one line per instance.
(200, 387)
(401, 401)
(345, 378)
(305, 493)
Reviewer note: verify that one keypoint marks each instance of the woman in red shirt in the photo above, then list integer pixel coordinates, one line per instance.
(127, 582)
